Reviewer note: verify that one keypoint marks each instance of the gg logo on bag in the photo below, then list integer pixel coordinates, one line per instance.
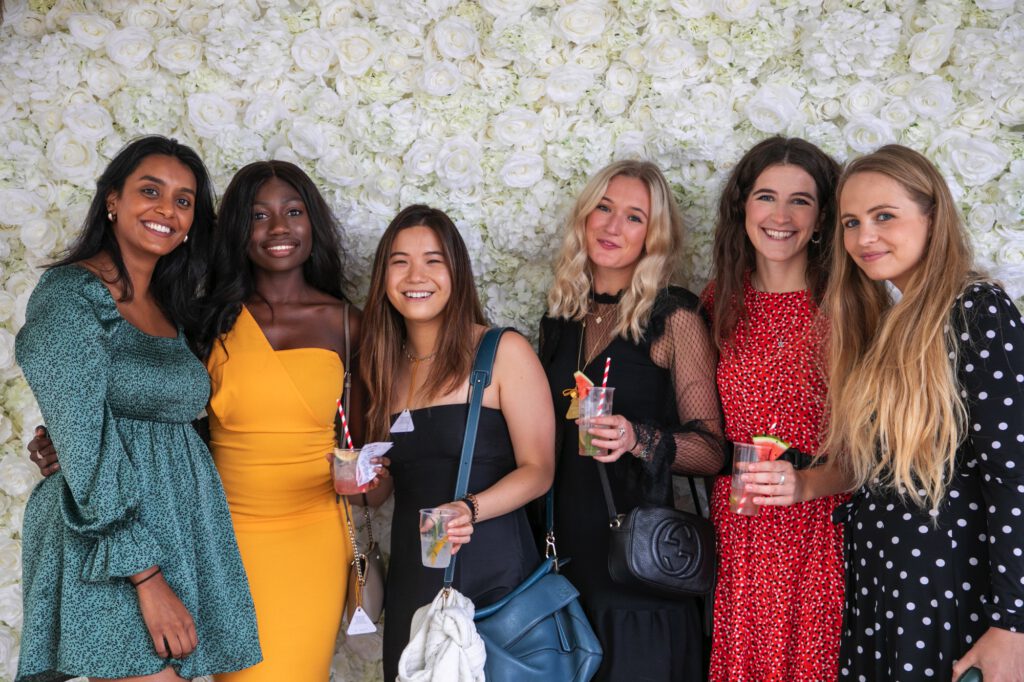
(674, 541)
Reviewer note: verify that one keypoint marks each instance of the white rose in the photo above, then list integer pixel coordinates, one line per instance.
(897, 114)
(337, 167)
(387, 183)
(516, 127)
(581, 22)
(102, 77)
(323, 103)
(568, 83)
(440, 79)
(736, 10)
(458, 163)
(6, 352)
(421, 158)
(621, 79)
(71, 158)
(522, 170)
(194, 21)
(691, 9)
(88, 121)
(6, 302)
(612, 104)
(40, 237)
(862, 99)
(312, 53)
(29, 25)
(358, 48)
(10, 604)
(978, 119)
(335, 14)
(147, 16)
(306, 138)
(932, 98)
(930, 48)
(262, 114)
(455, 38)
(395, 62)
(10, 559)
(1010, 108)
(8, 653)
(720, 51)
(774, 108)
(20, 206)
(531, 89)
(675, 58)
(209, 113)
(129, 47)
(981, 217)
(179, 54)
(508, 9)
(89, 30)
(18, 475)
(975, 160)
(868, 133)
(994, 5)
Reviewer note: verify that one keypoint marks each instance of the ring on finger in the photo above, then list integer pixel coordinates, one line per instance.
(622, 432)
(782, 478)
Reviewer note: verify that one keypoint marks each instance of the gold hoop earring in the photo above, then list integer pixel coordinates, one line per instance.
(817, 233)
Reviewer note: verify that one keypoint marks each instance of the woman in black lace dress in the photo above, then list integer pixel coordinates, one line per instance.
(612, 298)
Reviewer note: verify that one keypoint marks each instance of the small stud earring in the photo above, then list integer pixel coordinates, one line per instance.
(111, 216)
(185, 239)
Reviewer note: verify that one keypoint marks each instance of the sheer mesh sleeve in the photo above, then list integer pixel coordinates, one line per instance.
(696, 446)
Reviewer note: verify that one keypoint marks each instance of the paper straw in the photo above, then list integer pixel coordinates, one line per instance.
(344, 426)
(604, 384)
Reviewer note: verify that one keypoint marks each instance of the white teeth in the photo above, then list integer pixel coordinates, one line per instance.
(779, 234)
(157, 227)
(282, 247)
(417, 294)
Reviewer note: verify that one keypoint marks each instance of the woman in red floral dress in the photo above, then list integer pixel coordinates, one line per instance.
(779, 598)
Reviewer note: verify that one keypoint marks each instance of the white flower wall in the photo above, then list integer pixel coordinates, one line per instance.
(495, 111)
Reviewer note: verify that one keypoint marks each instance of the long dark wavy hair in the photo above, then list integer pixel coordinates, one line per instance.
(178, 276)
(734, 255)
(384, 331)
(232, 278)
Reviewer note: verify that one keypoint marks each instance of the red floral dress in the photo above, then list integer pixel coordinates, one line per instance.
(779, 597)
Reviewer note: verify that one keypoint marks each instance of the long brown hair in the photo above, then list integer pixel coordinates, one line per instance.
(896, 414)
(734, 255)
(384, 333)
(569, 296)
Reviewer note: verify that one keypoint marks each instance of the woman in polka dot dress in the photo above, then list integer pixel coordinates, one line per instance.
(779, 597)
(927, 408)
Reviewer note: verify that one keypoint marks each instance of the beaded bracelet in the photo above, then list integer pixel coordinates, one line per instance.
(647, 436)
(474, 506)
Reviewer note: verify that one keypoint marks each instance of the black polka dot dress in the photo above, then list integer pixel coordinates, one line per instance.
(923, 585)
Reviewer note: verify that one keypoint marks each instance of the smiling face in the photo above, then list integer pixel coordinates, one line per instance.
(616, 231)
(419, 282)
(282, 237)
(153, 212)
(782, 216)
(884, 230)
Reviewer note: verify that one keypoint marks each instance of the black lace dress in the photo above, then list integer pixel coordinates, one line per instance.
(665, 386)
(424, 466)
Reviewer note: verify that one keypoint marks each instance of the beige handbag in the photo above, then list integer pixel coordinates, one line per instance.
(366, 578)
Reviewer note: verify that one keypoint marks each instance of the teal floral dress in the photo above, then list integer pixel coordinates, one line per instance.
(137, 487)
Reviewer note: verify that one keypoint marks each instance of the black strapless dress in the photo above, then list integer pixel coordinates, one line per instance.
(424, 466)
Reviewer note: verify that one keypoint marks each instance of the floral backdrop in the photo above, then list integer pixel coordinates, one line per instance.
(494, 110)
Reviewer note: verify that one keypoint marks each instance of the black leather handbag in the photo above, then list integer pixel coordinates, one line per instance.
(662, 550)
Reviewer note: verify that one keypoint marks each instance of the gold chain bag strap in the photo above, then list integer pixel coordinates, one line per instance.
(366, 577)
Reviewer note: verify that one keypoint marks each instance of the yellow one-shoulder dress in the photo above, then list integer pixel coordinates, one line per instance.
(271, 423)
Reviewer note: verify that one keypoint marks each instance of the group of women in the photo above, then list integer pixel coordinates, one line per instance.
(843, 318)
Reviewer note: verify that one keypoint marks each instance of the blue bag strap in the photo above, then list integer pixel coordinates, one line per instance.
(479, 379)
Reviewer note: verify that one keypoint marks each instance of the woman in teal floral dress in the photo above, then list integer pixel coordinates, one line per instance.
(130, 566)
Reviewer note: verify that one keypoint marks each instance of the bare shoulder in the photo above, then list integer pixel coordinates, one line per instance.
(515, 353)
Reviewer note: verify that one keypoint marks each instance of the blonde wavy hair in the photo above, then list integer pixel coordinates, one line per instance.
(896, 417)
(570, 293)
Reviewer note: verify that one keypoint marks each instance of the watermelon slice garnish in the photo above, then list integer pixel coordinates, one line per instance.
(777, 445)
(583, 384)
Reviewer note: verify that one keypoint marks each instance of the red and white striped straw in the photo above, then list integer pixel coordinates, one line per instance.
(604, 384)
(344, 426)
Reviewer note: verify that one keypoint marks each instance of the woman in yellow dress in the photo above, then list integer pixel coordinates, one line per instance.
(273, 340)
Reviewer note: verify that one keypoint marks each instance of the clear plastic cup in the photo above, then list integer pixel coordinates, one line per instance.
(743, 455)
(345, 472)
(435, 547)
(598, 403)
